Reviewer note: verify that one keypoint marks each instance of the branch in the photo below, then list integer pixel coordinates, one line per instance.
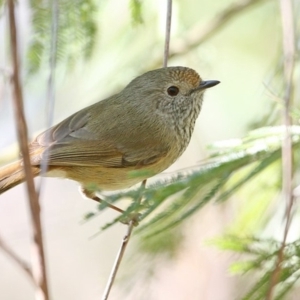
(143, 185)
(51, 86)
(122, 249)
(20, 262)
(199, 34)
(287, 19)
(118, 260)
(38, 269)
(168, 33)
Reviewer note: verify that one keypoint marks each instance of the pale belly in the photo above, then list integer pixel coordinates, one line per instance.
(109, 178)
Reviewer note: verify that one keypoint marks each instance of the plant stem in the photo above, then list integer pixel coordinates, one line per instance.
(38, 257)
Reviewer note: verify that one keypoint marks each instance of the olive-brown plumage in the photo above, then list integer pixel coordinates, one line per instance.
(145, 127)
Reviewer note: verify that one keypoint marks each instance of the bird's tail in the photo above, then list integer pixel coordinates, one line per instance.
(13, 174)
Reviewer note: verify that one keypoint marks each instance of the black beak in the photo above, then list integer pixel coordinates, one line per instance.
(207, 84)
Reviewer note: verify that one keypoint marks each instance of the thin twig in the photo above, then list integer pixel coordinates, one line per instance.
(122, 249)
(20, 262)
(287, 155)
(118, 260)
(51, 86)
(168, 33)
(132, 223)
(200, 33)
(38, 265)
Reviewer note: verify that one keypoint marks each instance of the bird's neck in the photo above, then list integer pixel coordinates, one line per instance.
(184, 121)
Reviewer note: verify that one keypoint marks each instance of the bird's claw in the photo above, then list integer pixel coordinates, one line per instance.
(132, 217)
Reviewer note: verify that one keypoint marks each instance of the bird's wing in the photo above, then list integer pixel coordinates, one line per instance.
(73, 143)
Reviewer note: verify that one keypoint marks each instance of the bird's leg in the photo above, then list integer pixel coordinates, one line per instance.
(131, 217)
(92, 195)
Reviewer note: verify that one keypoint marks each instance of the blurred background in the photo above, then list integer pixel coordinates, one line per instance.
(241, 53)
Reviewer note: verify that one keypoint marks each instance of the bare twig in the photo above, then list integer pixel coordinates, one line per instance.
(38, 265)
(20, 262)
(200, 34)
(131, 224)
(287, 156)
(51, 85)
(168, 33)
(118, 260)
(122, 249)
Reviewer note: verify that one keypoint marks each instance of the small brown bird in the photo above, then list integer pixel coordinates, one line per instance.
(146, 127)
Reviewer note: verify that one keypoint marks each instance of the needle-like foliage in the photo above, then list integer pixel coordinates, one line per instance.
(262, 255)
(193, 188)
(76, 31)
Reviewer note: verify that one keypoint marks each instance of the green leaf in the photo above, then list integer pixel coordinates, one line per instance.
(136, 11)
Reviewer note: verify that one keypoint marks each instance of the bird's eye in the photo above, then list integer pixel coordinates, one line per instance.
(173, 91)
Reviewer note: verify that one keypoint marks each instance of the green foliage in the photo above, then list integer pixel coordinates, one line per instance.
(255, 199)
(263, 258)
(136, 11)
(166, 242)
(169, 202)
(75, 26)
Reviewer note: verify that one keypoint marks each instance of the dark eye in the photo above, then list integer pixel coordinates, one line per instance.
(173, 90)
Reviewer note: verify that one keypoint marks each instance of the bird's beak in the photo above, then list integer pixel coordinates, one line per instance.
(207, 84)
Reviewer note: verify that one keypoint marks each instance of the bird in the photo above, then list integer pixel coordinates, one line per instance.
(143, 129)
